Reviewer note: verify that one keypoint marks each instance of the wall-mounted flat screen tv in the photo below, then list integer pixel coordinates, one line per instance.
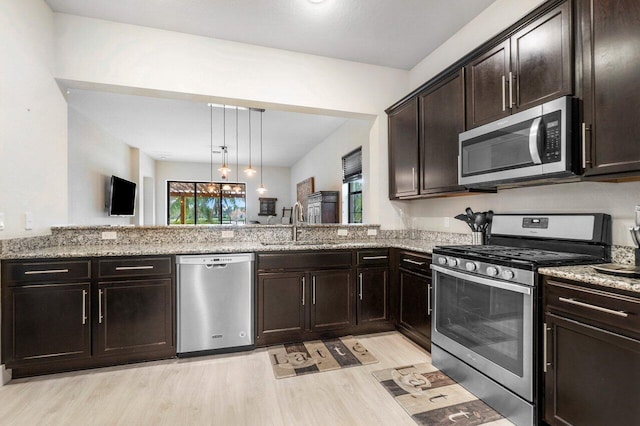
(122, 197)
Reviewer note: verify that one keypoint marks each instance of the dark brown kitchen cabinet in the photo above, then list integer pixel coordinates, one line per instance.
(531, 67)
(610, 40)
(281, 306)
(331, 300)
(442, 118)
(403, 150)
(414, 296)
(135, 316)
(591, 361)
(373, 295)
(49, 322)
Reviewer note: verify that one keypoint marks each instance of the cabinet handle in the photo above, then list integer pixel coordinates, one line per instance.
(47, 271)
(303, 285)
(413, 262)
(133, 268)
(546, 364)
(374, 257)
(510, 89)
(100, 307)
(585, 129)
(313, 289)
(504, 93)
(360, 291)
(413, 178)
(594, 307)
(84, 307)
(429, 300)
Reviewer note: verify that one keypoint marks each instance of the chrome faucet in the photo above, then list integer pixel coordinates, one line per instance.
(297, 219)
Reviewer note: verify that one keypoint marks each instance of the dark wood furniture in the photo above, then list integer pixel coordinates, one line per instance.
(534, 65)
(592, 358)
(61, 315)
(403, 150)
(413, 293)
(323, 207)
(608, 46)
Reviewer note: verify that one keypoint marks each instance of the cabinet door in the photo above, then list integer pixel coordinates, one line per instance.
(47, 322)
(487, 79)
(611, 71)
(403, 150)
(281, 306)
(373, 295)
(592, 377)
(331, 300)
(415, 293)
(441, 120)
(135, 316)
(541, 60)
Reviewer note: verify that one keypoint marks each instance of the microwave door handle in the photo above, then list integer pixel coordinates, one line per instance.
(534, 136)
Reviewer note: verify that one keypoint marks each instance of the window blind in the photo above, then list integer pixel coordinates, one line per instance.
(352, 166)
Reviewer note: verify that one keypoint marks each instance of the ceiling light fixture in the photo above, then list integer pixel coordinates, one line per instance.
(224, 170)
(250, 171)
(261, 189)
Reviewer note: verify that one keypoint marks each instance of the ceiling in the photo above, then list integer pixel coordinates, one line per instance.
(393, 33)
(180, 130)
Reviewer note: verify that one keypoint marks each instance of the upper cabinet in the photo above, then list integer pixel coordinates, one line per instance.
(610, 37)
(529, 68)
(403, 150)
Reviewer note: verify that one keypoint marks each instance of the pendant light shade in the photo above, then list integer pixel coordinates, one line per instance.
(261, 189)
(250, 171)
(224, 170)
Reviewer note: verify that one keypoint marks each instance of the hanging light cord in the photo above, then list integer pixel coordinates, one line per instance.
(237, 150)
(249, 138)
(211, 149)
(261, 183)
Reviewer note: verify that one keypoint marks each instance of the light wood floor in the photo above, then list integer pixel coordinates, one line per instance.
(237, 389)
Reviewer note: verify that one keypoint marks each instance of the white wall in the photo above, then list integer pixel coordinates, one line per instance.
(324, 162)
(33, 121)
(275, 179)
(95, 155)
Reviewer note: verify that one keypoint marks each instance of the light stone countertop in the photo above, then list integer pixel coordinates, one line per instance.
(587, 274)
(423, 246)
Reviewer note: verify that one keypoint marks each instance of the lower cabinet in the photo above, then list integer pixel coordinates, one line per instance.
(591, 358)
(373, 295)
(331, 300)
(281, 305)
(414, 297)
(135, 316)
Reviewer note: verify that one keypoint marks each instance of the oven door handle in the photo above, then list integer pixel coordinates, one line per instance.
(534, 137)
(484, 281)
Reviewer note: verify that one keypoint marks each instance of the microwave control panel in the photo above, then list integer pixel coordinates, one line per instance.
(552, 126)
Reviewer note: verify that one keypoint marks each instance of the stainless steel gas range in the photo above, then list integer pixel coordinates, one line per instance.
(487, 321)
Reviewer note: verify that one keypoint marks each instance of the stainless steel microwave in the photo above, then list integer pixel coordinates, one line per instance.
(530, 145)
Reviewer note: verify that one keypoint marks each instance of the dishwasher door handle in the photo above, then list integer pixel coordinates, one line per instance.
(303, 291)
(216, 266)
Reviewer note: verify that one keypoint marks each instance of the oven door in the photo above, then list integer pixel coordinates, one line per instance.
(488, 324)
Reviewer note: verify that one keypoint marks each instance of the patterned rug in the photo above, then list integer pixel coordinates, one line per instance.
(432, 398)
(295, 359)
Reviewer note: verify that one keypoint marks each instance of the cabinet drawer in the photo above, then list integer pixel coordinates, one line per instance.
(414, 262)
(609, 309)
(15, 273)
(307, 260)
(134, 266)
(373, 257)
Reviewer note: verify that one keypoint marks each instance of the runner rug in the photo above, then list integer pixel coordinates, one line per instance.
(295, 359)
(431, 397)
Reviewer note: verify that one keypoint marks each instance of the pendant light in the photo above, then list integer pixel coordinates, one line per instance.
(237, 189)
(250, 171)
(211, 188)
(226, 186)
(224, 170)
(261, 189)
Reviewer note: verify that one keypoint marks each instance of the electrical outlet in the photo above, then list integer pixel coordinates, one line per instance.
(28, 221)
(109, 235)
(446, 222)
(343, 232)
(1, 221)
(227, 234)
(372, 232)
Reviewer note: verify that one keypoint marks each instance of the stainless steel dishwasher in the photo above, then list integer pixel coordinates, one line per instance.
(215, 303)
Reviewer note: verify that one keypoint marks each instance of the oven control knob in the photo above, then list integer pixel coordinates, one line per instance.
(442, 260)
(493, 271)
(507, 274)
(452, 262)
(470, 266)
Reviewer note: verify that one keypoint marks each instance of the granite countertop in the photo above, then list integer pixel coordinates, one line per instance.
(423, 246)
(587, 274)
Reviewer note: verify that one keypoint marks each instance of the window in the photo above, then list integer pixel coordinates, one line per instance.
(205, 203)
(352, 184)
